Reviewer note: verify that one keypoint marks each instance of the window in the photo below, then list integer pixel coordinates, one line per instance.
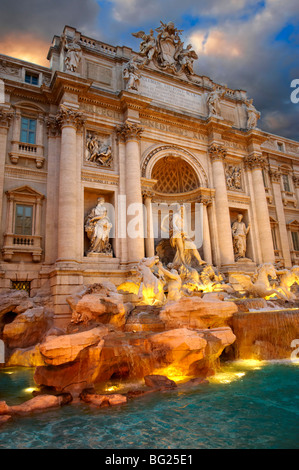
(295, 239)
(31, 78)
(286, 183)
(28, 130)
(280, 146)
(21, 285)
(23, 221)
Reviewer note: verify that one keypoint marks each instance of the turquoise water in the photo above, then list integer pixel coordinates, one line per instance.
(256, 409)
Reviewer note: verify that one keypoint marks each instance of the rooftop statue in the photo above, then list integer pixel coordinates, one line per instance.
(252, 115)
(73, 56)
(213, 101)
(167, 51)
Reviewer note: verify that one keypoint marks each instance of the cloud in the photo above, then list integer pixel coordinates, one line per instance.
(40, 18)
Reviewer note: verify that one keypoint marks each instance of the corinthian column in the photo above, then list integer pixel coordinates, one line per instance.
(217, 155)
(69, 121)
(149, 229)
(5, 118)
(276, 179)
(130, 133)
(255, 163)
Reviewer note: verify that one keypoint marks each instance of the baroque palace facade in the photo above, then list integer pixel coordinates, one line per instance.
(131, 128)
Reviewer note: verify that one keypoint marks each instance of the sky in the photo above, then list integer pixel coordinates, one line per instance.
(246, 44)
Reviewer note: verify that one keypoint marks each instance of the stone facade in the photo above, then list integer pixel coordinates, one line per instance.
(108, 122)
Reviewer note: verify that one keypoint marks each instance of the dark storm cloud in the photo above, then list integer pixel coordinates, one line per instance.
(45, 18)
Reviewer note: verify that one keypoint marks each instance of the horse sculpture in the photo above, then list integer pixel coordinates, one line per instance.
(259, 285)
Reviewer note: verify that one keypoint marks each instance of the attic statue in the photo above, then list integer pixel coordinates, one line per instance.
(97, 227)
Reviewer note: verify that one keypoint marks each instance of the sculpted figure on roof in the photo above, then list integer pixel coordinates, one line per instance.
(167, 51)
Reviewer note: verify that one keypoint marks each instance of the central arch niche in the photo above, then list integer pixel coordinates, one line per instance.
(174, 176)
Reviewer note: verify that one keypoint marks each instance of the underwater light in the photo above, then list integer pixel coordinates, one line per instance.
(30, 389)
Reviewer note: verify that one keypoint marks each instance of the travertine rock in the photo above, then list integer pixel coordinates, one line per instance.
(99, 308)
(28, 328)
(11, 299)
(194, 312)
(159, 382)
(57, 350)
(39, 403)
(29, 357)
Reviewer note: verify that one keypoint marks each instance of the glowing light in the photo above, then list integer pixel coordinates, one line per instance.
(226, 377)
(8, 373)
(112, 388)
(30, 389)
(173, 373)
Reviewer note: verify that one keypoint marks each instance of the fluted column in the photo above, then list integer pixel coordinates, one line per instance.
(5, 119)
(217, 155)
(69, 121)
(130, 133)
(255, 163)
(207, 247)
(149, 229)
(53, 131)
(276, 180)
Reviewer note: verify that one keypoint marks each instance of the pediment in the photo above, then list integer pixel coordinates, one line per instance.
(25, 191)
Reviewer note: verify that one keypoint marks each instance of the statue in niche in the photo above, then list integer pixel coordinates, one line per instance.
(73, 56)
(233, 177)
(252, 115)
(97, 227)
(239, 233)
(98, 152)
(180, 240)
(213, 101)
(132, 75)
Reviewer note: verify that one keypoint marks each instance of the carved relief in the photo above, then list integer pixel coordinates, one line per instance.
(167, 51)
(98, 151)
(9, 69)
(233, 177)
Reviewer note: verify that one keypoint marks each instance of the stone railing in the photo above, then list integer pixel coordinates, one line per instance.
(27, 151)
(14, 243)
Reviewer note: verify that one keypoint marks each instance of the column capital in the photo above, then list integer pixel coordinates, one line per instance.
(129, 131)
(147, 193)
(5, 118)
(70, 117)
(275, 176)
(296, 181)
(217, 152)
(52, 126)
(254, 161)
(205, 200)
